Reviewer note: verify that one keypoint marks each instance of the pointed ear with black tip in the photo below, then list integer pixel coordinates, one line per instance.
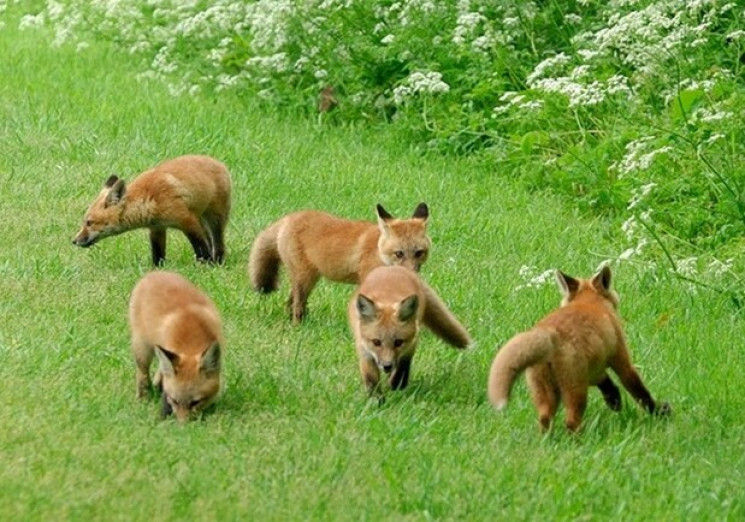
(167, 360)
(383, 218)
(383, 213)
(408, 308)
(110, 182)
(210, 361)
(366, 308)
(567, 284)
(602, 279)
(421, 212)
(116, 193)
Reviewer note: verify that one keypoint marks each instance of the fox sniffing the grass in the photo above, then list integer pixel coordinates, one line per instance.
(190, 193)
(570, 350)
(313, 244)
(385, 316)
(173, 320)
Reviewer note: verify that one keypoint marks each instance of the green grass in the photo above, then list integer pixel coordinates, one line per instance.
(293, 437)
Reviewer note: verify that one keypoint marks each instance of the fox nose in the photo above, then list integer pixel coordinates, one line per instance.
(387, 367)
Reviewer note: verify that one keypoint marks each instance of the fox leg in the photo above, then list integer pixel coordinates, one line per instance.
(634, 384)
(611, 393)
(575, 401)
(543, 392)
(166, 408)
(301, 289)
(158, 245)
(370, 376)
(198, 238)
(400, 376)
(143, 356)
(218, 239)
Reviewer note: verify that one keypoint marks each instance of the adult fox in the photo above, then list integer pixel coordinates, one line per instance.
(385, 315)
(570, 350)
(314, 244)
(190, 193)
(172, 319)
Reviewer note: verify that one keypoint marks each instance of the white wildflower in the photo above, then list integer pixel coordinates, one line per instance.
(639, 194)
(388, 39)
(532, 278)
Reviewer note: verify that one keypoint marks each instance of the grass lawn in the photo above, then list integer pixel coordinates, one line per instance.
(293, 437)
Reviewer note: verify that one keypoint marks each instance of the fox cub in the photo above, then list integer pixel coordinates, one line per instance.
(385, 316)
(172, 319)
(570, 350)
(190, 193)
(314, 244)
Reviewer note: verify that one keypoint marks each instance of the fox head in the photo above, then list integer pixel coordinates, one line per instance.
(388, 331)
(404, 241)
(190, 384)
(577, 289)
(103, 217)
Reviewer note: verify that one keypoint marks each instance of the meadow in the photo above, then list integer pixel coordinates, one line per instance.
(293, 436)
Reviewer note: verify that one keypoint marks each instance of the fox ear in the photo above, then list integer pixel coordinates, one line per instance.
(211, 357)
(116, 193)
(383, 218)
(567, 284)
(602, 279)
(408, 307)
(421, 212)
(366, 308)
(110, 182)
(166, 360)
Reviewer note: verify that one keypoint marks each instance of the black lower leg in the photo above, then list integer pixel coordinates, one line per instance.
(201, 247)
(400, 377)
(158, 245)
(167, 410)
(611, 393)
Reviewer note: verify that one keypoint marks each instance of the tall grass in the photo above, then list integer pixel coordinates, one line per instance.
(293, 437)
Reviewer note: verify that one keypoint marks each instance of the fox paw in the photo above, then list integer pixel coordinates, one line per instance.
(663, 409)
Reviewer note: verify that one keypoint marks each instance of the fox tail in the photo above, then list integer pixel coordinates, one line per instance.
(264, 260)
(524, 350)
(442, 322)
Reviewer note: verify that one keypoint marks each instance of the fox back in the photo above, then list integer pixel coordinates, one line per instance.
(172, 319)
(191, 193)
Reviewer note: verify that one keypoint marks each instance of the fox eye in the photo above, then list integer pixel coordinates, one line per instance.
(399, 254)
(377, 342)
(419, 253)
(88, 222)
(398, 342)
(194, 404)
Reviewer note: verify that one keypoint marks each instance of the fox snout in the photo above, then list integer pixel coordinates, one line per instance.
(387, 366)
(83, 239)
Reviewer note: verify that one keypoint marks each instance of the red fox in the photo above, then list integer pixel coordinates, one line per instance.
(570, 350)
(312, 244)
(191, 193)
(173, 320)
(385, 315)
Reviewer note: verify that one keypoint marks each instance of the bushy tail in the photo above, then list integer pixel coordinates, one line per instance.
(523, 350)
(442, 322)
(264, 260)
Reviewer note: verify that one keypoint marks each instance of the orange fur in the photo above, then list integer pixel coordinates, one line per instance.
(385, 315)
(314, 244)
(190, 193)
(569, 351)
(172, 319)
